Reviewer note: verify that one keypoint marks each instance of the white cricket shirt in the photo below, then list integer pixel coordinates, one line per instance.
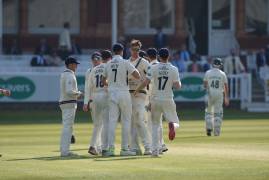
(116, 72)
(163, 76)
(142, 66)
(215, 79)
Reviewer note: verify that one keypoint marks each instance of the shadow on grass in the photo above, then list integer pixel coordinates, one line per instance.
(192, 137)
(81, 149)
(82, 157)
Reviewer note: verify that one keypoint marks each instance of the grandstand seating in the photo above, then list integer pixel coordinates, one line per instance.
(21, 63)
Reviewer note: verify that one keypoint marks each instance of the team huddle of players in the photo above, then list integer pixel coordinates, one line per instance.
(119, 89)
(138, 92)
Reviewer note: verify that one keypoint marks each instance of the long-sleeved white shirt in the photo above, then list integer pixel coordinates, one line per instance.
(69, 90)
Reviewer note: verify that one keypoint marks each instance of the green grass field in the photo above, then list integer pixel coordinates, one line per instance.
(29, 149)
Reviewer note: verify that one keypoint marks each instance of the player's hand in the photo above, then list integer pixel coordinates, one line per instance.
(6, 92)
(80, 96)
(148, 107)
(85, 108)
(226, 101)
(135, 93)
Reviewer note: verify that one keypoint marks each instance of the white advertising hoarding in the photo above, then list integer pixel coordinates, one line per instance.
(45, 87)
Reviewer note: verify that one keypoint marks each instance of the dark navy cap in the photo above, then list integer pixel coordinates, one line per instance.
(164, 53)
(71, 60)
(96, 56)
(105, 54)
(117, 47)
(152, 52)
(142, 53)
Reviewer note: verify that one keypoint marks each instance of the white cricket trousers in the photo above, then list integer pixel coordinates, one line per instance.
(68, 117)
(149, 126)
(214, 113)
(167, 108)
(138, 123)
(99, 107)
(120, 106)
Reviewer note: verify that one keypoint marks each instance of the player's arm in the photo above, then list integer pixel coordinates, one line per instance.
(176, 81)
(69, 88)
(104, 77)
(142, 85)
(5, 92)
(91, 89)
(205, 84)
(177, 85)
(132, 70)
(87, 92)
(226, 92)
(136, 74)
(206, 81)
(145, 82)
(146, 67)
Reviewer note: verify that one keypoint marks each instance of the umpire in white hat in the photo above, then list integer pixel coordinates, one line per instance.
(68, 103)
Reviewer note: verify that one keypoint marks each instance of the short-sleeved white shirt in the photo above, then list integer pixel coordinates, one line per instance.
(96, 77)
(150, 85)
(163, 76)
(215, 79)
(116, 72)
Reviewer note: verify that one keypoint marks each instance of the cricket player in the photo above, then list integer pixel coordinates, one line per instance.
(164, 78)
(68, 103)
(73, 139)
(216, 84)
(138, 125)
(152, 58)
(96, 99)
(5, 92)
(120, 104)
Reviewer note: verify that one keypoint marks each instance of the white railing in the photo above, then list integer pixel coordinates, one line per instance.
(240, 88)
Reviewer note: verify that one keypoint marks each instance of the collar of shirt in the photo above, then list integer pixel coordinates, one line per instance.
(153, 62)
(69, 70)
(117, 56)
(164, 63)
(130, 59)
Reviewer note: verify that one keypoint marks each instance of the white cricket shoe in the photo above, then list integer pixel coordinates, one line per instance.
(138, 152)
(160, 151)
(164, 148)
(147, 152)
(70, 154)
(155, 153)
(124, 152)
